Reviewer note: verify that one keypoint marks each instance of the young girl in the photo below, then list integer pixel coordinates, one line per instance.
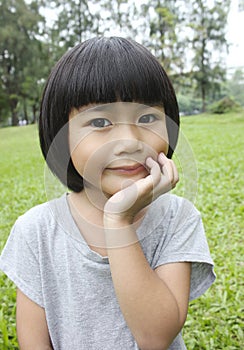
(112, 264)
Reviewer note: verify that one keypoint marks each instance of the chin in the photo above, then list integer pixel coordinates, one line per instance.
(113, 187)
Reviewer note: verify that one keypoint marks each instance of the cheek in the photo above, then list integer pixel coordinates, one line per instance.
(78, 160)
(161, 146)
(158, 143)
(90, 158)
(157, 138)
(81, 152)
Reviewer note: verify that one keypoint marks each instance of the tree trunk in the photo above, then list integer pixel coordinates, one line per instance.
(203, 92)
(14, 116)
(34, 111)
(25, 112)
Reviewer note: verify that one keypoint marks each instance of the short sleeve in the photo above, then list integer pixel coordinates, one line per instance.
(19, 261)
(185, 241)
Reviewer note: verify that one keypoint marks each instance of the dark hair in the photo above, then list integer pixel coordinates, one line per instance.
(100, 70)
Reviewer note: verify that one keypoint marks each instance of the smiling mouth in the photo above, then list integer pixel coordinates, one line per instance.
(128, 169)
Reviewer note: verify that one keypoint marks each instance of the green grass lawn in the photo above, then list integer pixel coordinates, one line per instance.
(215, 321)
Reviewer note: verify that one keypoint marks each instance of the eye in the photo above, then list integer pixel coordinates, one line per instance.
(147, 118)
(100, 123)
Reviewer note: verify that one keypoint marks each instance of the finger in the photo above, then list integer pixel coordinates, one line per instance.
(162, 159)
(172, 172)
(176, 174)
(154, 170)
(158, 182)
(166, 166)
(122, 200)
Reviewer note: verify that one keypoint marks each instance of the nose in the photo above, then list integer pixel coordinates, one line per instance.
(127, 139)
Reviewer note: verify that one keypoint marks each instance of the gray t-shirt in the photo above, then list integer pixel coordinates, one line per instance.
(50, 262)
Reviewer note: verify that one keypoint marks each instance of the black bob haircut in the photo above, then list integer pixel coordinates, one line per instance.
(100, 70)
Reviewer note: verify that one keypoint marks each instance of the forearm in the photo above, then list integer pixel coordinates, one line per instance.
(31, 344)
(37, 347)
(32, 330)
(154, 303)
(149, 307)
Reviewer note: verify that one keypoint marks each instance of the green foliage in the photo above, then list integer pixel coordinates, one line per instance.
(207, 23)
(187, 37)
(225, 105)
(188, 104)
(74, 23)
(215, 321)
(235, 85)
(164, 22)
(19, 56)
(116, 15)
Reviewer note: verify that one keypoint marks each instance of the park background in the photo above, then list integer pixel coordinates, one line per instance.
(199, 42)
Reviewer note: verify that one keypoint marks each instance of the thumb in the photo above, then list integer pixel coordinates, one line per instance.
(122, 200)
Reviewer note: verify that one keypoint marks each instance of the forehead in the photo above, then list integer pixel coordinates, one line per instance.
(117, 110)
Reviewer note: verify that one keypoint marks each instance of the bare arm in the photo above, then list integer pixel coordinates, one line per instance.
(31, 322)
(154, 303)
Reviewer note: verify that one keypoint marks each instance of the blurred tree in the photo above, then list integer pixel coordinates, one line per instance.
(241, 5)
(235, 86)
(74, 23)
(117, 16)
(34, 77)
(163, 19)
(18, 35)
(207, 43)
(4, 107)
(188, 38)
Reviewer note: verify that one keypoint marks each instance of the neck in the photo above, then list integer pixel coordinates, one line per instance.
(87, 210)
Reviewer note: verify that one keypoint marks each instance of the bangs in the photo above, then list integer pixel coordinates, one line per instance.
(105, 71)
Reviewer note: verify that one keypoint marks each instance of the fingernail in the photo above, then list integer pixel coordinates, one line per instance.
(148, 160)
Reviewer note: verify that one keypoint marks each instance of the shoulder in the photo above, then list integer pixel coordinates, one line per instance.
(170, 217)
(172, 225)
(171, 208)
(41, 216)
(29, 246)
(175, 202)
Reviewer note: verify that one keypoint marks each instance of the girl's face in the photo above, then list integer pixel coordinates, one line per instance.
(109, 143)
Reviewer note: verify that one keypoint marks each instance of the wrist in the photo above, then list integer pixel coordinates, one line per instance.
(114, 221)
(119, 231)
